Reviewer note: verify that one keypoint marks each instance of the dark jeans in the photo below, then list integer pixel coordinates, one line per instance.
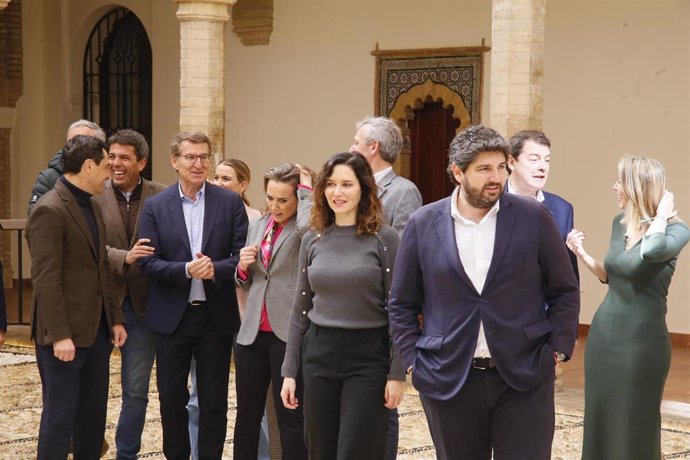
(138, 353)
(487, 415)
(196, 335)
(75, 397)
(345, 373)
(257, 365)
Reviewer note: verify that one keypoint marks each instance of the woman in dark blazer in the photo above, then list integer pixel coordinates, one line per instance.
(268, 271)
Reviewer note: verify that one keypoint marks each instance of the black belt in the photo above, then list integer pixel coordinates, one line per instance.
(483, 364)
(196, 303)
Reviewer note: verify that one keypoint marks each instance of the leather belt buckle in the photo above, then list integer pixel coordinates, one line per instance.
(483, 364)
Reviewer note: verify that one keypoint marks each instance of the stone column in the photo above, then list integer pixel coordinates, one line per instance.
(517, 65)
(202, 96)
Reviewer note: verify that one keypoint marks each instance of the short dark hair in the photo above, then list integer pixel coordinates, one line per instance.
(80, 148)
(469, 143)
(517, 142)
(133, 138)
(369, 211)
(194, 137)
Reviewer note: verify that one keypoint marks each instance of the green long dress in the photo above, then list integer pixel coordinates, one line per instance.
(628, 351)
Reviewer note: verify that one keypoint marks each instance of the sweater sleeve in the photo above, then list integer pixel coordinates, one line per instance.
(299, 321)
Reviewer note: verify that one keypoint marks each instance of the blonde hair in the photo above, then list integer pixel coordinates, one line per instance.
(643, 183)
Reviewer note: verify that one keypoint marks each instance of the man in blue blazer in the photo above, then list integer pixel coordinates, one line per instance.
(479, 265)
(529, 164)
(197, 231)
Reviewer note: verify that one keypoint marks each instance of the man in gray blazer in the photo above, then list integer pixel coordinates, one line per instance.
(121, 201)
(380, 140)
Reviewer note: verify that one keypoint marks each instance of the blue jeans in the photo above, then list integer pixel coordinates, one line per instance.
(137, 360)
(193, 411)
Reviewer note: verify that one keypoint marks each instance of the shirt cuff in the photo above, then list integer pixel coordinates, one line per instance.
(304, 187)
(242, 275)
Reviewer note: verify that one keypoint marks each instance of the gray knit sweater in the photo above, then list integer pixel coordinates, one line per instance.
(343, 282)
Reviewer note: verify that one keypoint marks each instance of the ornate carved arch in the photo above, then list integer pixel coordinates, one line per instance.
(407, 102)
(406, 79)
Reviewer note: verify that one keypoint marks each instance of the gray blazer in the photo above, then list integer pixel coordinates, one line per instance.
(277, 284)
(399, 198)
(127, 278)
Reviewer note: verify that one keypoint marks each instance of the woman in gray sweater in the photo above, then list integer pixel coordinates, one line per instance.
(338, 329)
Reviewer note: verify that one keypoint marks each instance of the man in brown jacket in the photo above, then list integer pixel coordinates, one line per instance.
(74, 317)
(122, 200)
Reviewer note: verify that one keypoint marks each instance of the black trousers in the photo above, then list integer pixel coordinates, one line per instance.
(196, 335)
(345, 373)
(488, 414)
(75, 397)
(257, 365)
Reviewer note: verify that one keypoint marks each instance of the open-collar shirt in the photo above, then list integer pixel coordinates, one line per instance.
(475, 243)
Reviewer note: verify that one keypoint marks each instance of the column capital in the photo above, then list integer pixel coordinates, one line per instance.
(203, 10)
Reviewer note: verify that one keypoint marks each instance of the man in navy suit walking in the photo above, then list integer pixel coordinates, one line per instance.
(529, 163)
(479, 265)
(197, 230)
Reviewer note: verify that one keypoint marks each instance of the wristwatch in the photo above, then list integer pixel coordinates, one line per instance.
(560, 356)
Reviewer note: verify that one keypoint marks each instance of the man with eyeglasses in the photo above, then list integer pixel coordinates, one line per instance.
(197, 230)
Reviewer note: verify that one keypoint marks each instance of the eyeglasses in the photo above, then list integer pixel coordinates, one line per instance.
(191, 158)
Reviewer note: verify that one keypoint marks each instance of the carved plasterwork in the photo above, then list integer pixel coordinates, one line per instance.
(414, 98)
(406, 79)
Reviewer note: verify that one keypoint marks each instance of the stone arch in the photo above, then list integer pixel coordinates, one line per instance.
(403, 109)
(414, 98)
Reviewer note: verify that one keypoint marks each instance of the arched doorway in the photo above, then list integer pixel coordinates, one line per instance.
(431, 131)
(117, 75)
(429, 115)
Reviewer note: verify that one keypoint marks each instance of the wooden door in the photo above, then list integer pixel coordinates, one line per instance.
(431, 131)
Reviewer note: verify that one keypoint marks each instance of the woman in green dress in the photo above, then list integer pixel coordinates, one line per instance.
(628, 351)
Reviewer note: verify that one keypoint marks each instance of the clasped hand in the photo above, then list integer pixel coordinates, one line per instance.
(201, 267)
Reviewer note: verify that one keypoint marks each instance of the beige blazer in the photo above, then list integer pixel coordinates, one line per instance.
(125, 277)
(277, 284)
(69, 271)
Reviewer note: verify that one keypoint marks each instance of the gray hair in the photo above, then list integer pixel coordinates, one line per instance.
(469, 143)
(98, 132)
(386, 132)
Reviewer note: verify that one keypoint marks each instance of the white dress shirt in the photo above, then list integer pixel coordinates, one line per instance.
(476, 247)
(539, 197)
(380, 175)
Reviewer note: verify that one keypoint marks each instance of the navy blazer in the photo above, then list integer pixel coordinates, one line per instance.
(225, 231)
(563, 215)
(529, 267)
